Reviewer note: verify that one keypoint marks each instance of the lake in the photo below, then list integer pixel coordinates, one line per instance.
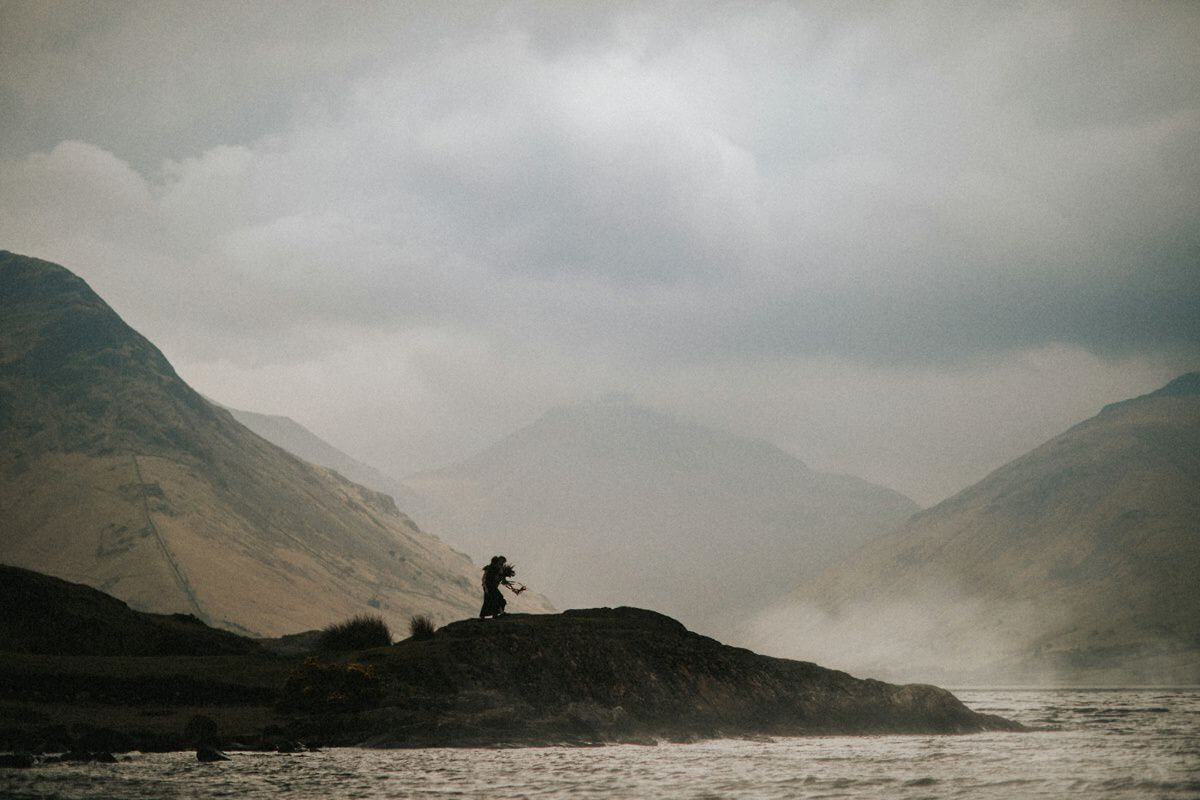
(1095, 743)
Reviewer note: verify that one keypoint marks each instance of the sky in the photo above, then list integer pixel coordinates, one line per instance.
(903, 241)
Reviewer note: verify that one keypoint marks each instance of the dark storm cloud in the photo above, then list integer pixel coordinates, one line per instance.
(893, 182)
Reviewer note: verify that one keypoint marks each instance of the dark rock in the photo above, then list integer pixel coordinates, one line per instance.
(209, 754)
(610, 675)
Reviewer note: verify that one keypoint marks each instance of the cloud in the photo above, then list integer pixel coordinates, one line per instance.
(863, 200)
(622, 192)
(74, 185)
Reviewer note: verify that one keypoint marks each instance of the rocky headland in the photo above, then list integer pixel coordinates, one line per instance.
(616, 675)
(579, 677)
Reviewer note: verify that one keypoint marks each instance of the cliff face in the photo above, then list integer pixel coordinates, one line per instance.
(624, 674)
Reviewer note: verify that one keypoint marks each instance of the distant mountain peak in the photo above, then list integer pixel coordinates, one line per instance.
(612, 502)
(618, 413)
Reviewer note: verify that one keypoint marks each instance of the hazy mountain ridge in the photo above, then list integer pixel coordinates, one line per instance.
(300, 441)
(293, 437)
(610, 503)
(1076, 561)
(119, 475)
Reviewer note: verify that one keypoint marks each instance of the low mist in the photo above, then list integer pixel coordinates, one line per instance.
(946, 637)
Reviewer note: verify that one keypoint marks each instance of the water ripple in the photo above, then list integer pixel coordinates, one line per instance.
(1106, 745)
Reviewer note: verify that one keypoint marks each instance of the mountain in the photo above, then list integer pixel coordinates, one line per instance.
(115, 473)
(1075, 563)
(614, 504)
(300, 441)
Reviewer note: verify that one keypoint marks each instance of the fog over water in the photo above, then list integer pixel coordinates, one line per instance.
(901, 241)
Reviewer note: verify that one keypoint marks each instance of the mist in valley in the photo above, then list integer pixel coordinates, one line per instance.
(942, 636)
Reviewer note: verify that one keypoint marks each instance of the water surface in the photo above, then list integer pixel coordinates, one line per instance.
(1125, 743)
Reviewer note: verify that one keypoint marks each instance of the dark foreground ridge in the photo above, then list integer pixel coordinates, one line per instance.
(47, 615)
(114, 679)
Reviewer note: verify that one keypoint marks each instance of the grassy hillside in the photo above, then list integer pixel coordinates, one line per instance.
(115, 473)
(298, 440)
(1075, 562)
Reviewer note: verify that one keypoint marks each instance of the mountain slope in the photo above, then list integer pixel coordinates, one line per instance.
(115, 473)
(612, 504)
(1077, 561)
(300, 441)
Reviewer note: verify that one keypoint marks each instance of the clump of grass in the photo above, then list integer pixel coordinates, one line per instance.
(358, 633)
(420, 627)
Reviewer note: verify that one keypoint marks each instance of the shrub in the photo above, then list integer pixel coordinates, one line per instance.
(359, 633)
(321, 688)
(420, 627)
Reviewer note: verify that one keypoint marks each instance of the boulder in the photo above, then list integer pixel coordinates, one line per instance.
(209, 755)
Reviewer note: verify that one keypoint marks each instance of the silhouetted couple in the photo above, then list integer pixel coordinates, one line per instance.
(495, 575)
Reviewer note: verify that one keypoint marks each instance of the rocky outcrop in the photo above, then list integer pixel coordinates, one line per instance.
(585, 676)
(611, 675)
(208, 755)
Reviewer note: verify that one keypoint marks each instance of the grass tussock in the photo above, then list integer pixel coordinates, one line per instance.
(420, 627)
(358, 633)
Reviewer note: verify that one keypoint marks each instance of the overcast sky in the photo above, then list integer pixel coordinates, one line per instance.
(907, 242)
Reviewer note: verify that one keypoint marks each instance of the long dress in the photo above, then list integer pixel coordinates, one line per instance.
(493, 601)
